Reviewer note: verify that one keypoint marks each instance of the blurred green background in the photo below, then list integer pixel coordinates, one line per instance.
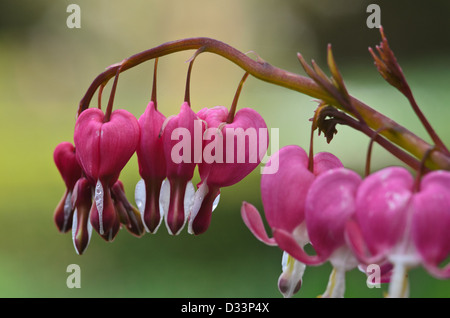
(47, 67)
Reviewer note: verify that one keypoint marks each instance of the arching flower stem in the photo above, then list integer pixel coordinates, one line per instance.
(397, 135)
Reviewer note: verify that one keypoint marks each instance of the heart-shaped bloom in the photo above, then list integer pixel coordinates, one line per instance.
(103, 149)
(431, 222)
(67, 164)
(230, 152)
(182, 151)
(152, 167)
(283, 196)
(329, 205)
(398, 224)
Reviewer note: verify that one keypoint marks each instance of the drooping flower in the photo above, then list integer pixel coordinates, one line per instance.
(402, 225)
(103, 149)
(431, 222)
(231, 151)
(152, 167)
(67, 164)
(283, 196)
(177, 192)
(329, 205)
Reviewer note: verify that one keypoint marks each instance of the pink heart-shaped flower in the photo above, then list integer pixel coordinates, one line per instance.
(230, 151)
(103, 149)
(431, 221)
(152, 165)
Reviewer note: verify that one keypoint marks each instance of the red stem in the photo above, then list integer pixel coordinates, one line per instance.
(232, 112)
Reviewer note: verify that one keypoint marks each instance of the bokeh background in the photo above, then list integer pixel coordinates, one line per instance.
(45, 69)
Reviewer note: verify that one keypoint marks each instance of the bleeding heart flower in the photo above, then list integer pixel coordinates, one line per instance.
(382, 210)
(152, 167)
(177, 192)
(231, 151)
(67, 164)
(328, 207)
(103, 149)
(284, 196)
(399, 223)
(431, 222)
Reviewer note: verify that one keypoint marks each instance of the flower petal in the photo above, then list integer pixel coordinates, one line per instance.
(382, 204)
(287, 242)
(254, 222)
(284, 192)
(431, 218)
(329, 205)
(290, 280)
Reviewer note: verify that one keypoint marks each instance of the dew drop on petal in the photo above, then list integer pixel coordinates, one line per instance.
(98, 197)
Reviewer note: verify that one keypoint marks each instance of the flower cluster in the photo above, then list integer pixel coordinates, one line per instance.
(224, 144)
(388, 221)
(387, 218)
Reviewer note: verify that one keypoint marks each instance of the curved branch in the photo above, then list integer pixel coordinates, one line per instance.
(268, 73)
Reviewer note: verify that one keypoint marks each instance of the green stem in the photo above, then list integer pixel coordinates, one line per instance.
(398, 134)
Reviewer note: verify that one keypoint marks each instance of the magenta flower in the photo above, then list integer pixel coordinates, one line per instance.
(284, 196)
(231, 151)
(152, 167)
(177, 193)
(431, 222)
(67, 164)
(394, 223)
(329, 205)
(103, 149)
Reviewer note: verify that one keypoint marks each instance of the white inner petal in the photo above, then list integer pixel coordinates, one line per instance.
(74, 226)
(292, 272)
(164, 197)
(216, 202)
(189, 197)
(98, 197)
(74, 231)
(196, 204)
(140, 199)
(139, 196)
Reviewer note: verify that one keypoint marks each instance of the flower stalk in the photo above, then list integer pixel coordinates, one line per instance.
(397, 134)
